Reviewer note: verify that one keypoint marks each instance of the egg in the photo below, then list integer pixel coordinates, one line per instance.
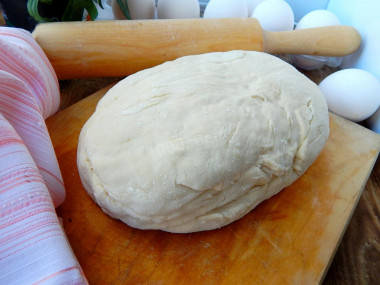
(174, 9)
(317, 18)
(314, 19)
(252, 4)
(226, 9)
(142, 9)
(138, 9)
(302, 7)
(308, 62)
(274, 15)
(352, 93)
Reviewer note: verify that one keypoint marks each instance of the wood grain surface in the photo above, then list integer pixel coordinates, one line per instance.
(115, 48)
(302, 225)
(120, 48)
(357, 260)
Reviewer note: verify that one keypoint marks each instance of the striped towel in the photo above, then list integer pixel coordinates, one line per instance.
(33, 246)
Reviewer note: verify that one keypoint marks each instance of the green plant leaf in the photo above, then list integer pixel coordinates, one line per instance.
(32, 6)
(75, 8)
(91, 9)
(100, 3)
(123, 4)
(73, 12)
(47, 1)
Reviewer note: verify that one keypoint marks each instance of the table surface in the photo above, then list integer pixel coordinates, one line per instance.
(357, 260)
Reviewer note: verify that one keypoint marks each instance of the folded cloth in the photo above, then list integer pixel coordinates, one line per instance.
(33, 246)
(18, 106)
(22, 57)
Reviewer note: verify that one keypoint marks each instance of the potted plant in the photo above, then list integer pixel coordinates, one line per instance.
(62, 10)
(69, 10)
(27, 13)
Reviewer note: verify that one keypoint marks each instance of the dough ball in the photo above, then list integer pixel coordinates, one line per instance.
(196, 143)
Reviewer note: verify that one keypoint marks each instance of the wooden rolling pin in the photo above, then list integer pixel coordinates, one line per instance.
(119, 48)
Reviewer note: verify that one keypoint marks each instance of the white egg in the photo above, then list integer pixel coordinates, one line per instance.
(274, 15)
(318, 18)
(314, 19)
(308, 62)
(352, 93)
(252, 4)
(175, 9)
(374, 122)
(138, 9)
(141, 9)
(226, 9)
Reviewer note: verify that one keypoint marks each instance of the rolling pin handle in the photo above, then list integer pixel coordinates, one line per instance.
(324, 41)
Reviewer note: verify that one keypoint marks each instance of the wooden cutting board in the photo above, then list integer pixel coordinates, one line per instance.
(288, 239)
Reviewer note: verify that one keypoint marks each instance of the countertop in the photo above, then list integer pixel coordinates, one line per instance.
(357, 260)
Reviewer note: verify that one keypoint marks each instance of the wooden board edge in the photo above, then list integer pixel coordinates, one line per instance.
(371, 165)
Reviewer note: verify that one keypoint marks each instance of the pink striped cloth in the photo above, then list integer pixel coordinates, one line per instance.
(33, 245)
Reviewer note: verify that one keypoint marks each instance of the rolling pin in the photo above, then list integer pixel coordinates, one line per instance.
(120, 48)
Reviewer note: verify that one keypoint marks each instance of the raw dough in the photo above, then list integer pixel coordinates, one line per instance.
(196, 143)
